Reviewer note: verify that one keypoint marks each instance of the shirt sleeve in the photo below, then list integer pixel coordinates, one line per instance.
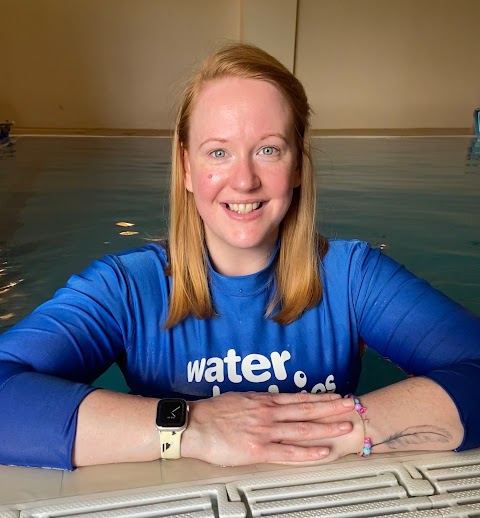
(48, 360)
(420, 329)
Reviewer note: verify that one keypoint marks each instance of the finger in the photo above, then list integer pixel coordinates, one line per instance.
(307, 431)
(286, 398)
(292, 453)
(308, 410)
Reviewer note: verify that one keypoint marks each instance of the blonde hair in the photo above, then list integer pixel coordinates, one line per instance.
(298, 285)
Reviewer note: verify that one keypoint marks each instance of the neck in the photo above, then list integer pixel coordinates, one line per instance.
(235, 262)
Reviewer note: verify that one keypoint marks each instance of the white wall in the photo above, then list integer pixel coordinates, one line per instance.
(104, 63)
(390, 63)
(118, 64)
(272, 25)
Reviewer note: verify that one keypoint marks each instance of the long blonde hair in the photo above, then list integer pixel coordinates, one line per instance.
(298, 284)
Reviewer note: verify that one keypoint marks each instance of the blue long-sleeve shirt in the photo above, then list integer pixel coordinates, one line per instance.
(115, 310)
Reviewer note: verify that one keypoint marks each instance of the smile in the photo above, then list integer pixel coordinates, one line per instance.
(243, 208)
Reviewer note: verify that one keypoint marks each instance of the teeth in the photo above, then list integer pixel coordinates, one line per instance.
(243, 208)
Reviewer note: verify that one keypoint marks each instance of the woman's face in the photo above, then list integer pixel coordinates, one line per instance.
(241, 164)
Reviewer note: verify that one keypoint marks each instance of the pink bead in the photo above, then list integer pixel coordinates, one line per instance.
(358, 406)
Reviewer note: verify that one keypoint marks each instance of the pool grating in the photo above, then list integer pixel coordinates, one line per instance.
(439, 486)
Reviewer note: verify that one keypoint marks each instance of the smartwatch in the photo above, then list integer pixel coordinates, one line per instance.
(172, 419)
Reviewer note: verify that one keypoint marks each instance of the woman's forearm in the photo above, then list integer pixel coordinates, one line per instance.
(414, 414)
(233, 428)
(114, 427)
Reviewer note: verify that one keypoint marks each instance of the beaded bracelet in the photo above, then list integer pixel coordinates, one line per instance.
(367, 443)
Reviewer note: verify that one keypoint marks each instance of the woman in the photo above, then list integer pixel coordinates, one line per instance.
(245, 303)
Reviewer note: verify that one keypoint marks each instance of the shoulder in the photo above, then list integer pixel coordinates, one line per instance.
(145, 267)
(347, 252)
(137, 264)
(152, 255)
(359, 265)
(345, 246)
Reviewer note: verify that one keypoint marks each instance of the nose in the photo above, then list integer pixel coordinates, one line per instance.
(244, 176)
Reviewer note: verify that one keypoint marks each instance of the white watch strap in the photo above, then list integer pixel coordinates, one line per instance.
(170, 444)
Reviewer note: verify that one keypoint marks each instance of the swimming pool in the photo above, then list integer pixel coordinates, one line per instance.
(62, 197)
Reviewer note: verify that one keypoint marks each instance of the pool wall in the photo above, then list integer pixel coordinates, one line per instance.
(118, 65)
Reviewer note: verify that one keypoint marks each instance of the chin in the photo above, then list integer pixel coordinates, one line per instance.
(250, 244)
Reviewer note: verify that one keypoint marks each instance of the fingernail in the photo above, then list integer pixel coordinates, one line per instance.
(347, 402)
(323, 452)
(344, 426)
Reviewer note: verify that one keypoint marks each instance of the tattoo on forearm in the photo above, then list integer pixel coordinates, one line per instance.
(417, 435)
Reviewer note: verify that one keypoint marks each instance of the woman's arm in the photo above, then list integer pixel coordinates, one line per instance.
(48, 360)
(428, 335)
(52, 417)
(413, 414)
(114, 427)
(247, 428)
(230, 429)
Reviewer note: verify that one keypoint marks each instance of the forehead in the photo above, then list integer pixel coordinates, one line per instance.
(233, 103)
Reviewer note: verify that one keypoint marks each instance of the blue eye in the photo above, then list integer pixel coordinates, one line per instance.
(269, 150)
(218, 153)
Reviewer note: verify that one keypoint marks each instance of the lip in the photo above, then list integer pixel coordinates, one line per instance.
(244, 217)
(238, 202)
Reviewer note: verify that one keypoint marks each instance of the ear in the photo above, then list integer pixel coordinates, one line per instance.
(187, 178)
(297, 177)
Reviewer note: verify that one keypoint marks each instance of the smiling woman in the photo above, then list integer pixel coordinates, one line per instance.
(241, 166)
(274, 106)
(244, 302)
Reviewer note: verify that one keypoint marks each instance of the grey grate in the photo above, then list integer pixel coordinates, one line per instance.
(440, 486)
(362, 489)
(453, 473)
(428, 486)
(462, 511)
(431, 513)
(195, 502)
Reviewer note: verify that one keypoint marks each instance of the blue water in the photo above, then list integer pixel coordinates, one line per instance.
(61, 198)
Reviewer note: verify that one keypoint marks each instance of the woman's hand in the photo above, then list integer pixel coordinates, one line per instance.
(239, 428)
(345, 444)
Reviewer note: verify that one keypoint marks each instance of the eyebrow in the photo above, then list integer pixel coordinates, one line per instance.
(264, 137)
(214, 139)
(278, 135)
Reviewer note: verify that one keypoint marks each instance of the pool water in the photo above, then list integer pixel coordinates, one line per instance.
(62, 197)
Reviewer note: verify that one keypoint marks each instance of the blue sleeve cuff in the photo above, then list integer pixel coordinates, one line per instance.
(43, 430)
(460, 381)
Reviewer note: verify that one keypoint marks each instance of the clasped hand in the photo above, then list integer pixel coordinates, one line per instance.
(239, 428)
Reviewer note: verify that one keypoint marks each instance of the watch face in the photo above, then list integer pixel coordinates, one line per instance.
(172, 413)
